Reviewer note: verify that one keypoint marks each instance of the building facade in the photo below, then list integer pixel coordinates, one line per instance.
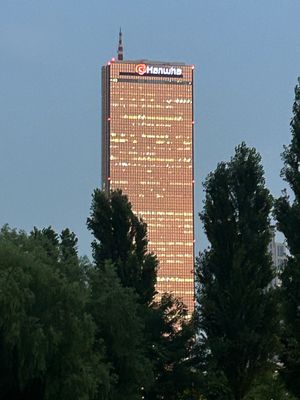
(147, 151)
(279, 256)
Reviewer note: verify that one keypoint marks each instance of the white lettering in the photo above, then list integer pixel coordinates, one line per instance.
(169, 71)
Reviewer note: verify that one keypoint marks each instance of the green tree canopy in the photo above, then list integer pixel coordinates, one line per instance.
(121, 237)
(115, 311)
(237, 310)
(287, 214)
(269, 385)
(46, 335)
(171, 336)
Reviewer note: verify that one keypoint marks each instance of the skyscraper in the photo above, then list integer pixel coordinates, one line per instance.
(147, 151)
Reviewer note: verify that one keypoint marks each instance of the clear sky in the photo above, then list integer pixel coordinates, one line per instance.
(247, 58)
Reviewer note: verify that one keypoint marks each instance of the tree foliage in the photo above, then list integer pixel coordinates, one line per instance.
(237, 309)
(171, 337)
(121, 237)
(269, 385)
(46, 335)
(287, 214)
(119, 325)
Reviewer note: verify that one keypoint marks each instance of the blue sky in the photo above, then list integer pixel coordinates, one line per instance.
(247, 58)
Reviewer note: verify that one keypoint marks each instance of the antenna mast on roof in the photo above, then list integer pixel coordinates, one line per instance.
(120, 47)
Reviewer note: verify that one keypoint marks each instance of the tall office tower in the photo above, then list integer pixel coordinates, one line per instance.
(147, 151)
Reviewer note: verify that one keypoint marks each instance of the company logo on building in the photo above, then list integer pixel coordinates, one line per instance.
(143, 69)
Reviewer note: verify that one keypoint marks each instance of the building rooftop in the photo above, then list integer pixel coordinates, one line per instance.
(145, 61)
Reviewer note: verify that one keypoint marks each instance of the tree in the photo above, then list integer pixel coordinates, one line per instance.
(46, 335)
(237, 311)
(120, 327)
(171, 336)
(121, 237)
(269, 386)
(287, 214)
(124, 278)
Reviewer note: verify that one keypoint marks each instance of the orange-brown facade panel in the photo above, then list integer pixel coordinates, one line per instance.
(147, 151)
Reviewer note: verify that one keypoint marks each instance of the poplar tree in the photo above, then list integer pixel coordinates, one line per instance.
(121, 237)
(287, 212)
(237, 310)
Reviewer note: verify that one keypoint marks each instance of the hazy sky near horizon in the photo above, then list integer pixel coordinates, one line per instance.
(247, 59)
